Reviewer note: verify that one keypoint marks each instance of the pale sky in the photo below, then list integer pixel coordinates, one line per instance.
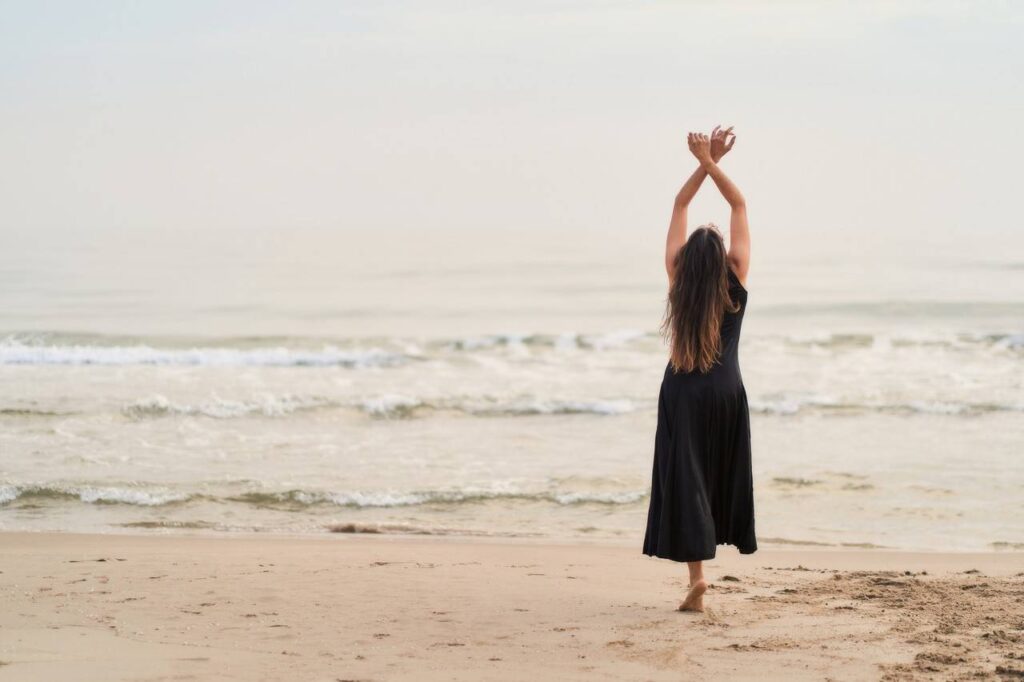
(852, 118)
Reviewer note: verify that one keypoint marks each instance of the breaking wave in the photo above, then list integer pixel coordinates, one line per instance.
(784, 406)
(382, 407)
(395, 406)
(366, 499)
(158, 496)
(268, 406)
(144, 497)
(14, 352)
(69, 349)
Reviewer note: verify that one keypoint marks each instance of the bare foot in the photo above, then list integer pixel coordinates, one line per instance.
(695, 597)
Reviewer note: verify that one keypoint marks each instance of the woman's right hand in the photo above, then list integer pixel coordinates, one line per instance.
(700, 145)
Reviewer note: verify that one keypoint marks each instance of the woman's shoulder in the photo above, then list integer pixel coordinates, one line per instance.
(734, 280)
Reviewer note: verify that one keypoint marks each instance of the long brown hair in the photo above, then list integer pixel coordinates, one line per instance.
(698, 299)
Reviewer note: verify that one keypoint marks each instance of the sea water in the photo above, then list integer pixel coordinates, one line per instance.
(495, 384)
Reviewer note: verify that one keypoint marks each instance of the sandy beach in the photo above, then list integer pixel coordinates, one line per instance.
(359, 607)
(378, 341)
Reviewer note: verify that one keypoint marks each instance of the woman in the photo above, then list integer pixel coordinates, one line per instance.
(702, 491)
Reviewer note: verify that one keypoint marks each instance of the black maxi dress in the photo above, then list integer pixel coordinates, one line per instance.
(702, 491)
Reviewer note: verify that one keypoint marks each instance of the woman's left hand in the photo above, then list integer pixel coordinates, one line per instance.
(719, 148)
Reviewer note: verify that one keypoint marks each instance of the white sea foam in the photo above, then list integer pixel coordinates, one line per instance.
(24, 349)
(398, 406)
(8, 493)
(390, 405)
(14, 352)
(796, 404)
(132, 495)
(1014, 341)
(472, 343)
(604, 407)
(218, 408)
(566, 342)
(136, 496)
(560, 342)
(381, 406)
(381, 499)
(622, 497)
(469, 494)
(615, 339)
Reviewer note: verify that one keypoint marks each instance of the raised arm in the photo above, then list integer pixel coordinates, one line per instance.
(677, 225)
(739, 230)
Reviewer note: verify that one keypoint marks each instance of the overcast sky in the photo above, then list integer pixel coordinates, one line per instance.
(851, 117)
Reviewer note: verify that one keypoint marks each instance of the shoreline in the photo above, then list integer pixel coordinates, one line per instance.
(367, 606)
(329, 533)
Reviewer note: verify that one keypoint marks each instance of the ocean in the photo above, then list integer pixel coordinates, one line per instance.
(473, 383)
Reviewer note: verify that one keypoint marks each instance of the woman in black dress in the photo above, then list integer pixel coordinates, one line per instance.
(702, 492)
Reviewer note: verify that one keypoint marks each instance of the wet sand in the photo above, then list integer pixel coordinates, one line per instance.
(360, 607)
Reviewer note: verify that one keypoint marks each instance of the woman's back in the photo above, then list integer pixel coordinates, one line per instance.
(725, 375)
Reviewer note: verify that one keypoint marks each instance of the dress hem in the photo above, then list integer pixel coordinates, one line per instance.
(741, 550)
